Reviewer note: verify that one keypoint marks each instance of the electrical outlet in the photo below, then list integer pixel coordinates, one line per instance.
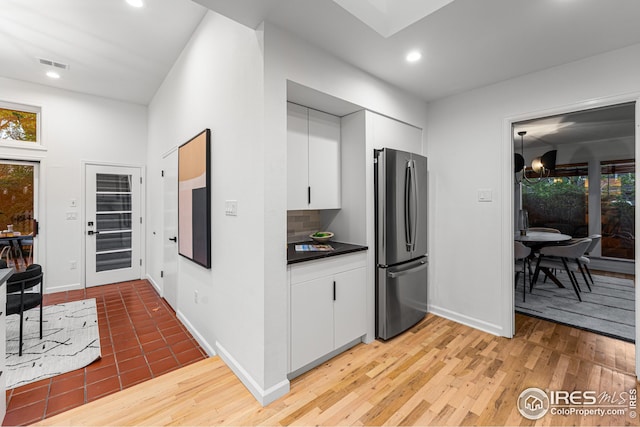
(73, 265)
(195, 296)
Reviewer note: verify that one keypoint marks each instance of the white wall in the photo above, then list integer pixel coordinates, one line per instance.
(469, 148)
(217, 83)
(75, 127)
(289, 58)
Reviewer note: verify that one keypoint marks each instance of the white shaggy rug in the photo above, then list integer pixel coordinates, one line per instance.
(70, 340)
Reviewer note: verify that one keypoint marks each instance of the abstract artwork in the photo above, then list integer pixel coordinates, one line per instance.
(194, 199)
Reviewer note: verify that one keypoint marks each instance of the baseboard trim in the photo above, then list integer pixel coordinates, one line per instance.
(63, 288)
(203, 342)
(153, 283)
(263, 396)
(466, 320)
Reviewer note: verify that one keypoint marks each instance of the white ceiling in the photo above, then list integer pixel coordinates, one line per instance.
(112, 49)
(124, 53)
(610, 124)
(465, 44)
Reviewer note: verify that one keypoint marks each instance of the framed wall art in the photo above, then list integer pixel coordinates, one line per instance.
(194, 199)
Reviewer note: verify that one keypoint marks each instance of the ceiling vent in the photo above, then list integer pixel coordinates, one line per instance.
(55, 64)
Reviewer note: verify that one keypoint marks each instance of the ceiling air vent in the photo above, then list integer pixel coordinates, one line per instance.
(51, 63)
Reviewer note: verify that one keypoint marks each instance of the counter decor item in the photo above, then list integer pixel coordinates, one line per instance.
(321, 236)
(194, 199)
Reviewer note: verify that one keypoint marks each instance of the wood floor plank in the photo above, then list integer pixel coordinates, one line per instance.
(439, 373)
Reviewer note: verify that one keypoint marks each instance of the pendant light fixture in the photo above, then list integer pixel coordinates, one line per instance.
(542, 165)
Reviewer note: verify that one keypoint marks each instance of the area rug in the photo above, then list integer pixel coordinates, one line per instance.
(70, 340)
(608, 310)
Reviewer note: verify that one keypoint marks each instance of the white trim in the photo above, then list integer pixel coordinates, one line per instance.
(637, 246)
(467, 320)
(508, 203)
(154, 284)
(201, 340)
(263, 396)
(22, 145)
(62, 288)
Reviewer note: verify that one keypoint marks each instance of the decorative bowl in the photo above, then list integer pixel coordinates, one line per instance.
(321, 236)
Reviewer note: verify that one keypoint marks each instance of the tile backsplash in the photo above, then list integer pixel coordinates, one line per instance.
(302, 223)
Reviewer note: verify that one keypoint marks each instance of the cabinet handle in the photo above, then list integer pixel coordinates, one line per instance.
(334, 290)
(309, 195)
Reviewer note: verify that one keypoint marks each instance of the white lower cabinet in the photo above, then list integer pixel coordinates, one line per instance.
(328, 306)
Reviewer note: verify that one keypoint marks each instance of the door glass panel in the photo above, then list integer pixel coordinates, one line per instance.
(113, 222)
(113, 202)
(113, 241)
(113, 261)
(618, 210)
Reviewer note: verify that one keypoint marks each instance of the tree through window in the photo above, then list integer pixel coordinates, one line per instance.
(17, 125)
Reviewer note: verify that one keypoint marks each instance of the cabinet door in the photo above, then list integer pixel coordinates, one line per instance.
(297, 157)
(311, 321)
(349, 308)
(324, 160)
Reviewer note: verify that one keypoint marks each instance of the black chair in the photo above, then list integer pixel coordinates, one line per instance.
(19, 301)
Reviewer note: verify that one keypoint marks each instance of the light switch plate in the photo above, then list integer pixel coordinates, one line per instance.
(72, 216)
(485, 195)
(231, 208)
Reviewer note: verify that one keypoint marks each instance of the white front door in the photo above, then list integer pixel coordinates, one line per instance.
(170, 233)
(113, 224)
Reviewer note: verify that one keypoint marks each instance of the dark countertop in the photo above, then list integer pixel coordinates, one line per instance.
(339, 248)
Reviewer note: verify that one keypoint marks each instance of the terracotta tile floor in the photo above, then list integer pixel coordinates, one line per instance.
(140, 338)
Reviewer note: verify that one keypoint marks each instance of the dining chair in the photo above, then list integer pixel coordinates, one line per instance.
(585, 260)
(5, 252)
(564, 257)
(521, 254)
(19, 300)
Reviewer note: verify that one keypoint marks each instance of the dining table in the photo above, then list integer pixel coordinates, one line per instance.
(539, 239)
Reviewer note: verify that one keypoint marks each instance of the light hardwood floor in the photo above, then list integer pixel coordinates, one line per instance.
(438, 373)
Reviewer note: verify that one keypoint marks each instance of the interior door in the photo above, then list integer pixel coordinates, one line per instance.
(113, 224)
(170, 233)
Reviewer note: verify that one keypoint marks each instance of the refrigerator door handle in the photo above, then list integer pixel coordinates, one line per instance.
(407, 207)
(421, 266)
(414, 227)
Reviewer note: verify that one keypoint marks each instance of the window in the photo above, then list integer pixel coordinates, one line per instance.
(561, 200)
(618, 191)
(19, 123)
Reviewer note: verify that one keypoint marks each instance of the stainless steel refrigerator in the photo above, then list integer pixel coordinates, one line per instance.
(401, 240)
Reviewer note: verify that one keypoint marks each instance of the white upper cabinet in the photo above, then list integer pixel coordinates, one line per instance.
(313, 159)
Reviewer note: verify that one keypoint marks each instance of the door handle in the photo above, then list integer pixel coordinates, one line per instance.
(173, 239)
(407, 206)
(91, 232)
(421, 266)
(414, 226)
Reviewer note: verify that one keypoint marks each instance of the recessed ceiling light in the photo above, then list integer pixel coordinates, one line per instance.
(414, 56)
(52, 74)
(135, 3)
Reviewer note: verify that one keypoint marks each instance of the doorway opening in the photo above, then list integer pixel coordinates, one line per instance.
(589, 193)
(18, 212)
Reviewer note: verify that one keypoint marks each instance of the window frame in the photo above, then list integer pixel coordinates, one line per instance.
(37, 144)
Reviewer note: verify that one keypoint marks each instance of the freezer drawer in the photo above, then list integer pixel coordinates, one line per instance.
(401, 297)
